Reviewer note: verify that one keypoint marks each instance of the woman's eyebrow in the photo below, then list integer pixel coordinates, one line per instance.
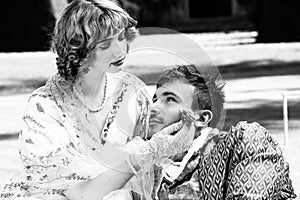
(105, 40)
(111, 38)
(121, 31)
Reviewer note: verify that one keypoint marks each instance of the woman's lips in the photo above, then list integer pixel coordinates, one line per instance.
(118, 62)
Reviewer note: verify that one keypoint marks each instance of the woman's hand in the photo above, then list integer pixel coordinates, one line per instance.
(182, 139)
(163, 144)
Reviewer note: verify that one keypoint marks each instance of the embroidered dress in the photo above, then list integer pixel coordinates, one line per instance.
(244, 163)
(57, 147)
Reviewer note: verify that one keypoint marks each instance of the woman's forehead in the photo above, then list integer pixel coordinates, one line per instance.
(111, 34)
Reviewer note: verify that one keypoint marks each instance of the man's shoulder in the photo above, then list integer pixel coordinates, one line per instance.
(248, 129)
(243, 130)
(253, 138)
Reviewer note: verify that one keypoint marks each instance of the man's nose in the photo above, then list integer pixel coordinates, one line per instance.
(154, 109)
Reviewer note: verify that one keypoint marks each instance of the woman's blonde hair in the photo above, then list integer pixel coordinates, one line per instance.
(82, 25)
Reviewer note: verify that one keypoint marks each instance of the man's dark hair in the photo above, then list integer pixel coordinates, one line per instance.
(209, 94)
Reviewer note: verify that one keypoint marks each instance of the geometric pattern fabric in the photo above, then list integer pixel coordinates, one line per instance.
(244, 163)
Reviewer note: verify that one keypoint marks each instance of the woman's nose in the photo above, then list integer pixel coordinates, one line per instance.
(120, 48)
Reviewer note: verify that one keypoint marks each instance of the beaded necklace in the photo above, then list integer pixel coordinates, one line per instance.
(81, 98)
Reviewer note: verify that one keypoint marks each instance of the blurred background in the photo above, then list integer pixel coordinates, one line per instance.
(27, 25)
(254, 43)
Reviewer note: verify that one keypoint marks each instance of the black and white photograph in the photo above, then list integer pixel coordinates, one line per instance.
(150, 100)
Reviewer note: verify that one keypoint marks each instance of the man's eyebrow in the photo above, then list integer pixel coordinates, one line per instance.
(170, 93)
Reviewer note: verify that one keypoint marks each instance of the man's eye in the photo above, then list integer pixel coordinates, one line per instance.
(104, 45)
(171, 99)
(154, 100)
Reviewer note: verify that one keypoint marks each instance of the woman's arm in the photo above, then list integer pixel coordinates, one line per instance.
(99, 187)
(144, 154)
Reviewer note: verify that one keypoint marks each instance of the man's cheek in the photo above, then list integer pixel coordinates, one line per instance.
(175, 117)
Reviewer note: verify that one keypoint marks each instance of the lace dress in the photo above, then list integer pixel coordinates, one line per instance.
(57, 148)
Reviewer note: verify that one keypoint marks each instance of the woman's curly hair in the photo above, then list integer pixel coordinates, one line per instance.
(82, 24)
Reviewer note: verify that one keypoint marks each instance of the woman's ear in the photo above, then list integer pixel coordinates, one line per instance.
(205, 117)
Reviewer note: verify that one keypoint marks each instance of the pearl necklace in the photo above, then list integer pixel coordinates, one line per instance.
(81, 99)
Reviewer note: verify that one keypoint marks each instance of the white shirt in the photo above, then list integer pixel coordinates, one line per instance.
(171, 170)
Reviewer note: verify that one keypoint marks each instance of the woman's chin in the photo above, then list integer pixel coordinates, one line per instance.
(114, 69)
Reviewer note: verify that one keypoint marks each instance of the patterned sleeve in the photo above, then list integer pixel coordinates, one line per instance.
(142, 100)
(48, 154)
(261, 171)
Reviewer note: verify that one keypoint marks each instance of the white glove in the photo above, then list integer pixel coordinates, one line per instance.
(162, 144)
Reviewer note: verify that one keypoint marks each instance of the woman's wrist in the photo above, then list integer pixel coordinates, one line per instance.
(132, 165)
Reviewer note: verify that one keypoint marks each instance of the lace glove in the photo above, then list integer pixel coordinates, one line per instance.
(163, 144)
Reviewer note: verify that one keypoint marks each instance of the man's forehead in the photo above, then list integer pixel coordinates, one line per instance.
(178, 88)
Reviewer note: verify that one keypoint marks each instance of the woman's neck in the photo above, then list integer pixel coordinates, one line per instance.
(92, 83)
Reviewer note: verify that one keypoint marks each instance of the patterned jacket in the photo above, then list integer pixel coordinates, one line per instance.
(244, 163)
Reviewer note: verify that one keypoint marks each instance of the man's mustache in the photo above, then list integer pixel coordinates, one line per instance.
(154, 117)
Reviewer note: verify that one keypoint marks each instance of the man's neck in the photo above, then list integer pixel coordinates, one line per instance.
(179, 157)
(199, 130)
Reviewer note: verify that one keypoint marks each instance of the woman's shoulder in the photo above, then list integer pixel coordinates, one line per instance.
(41, 101)
(41, 92)
(49, 92)
(52, 99)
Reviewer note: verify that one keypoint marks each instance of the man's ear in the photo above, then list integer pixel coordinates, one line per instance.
(205, 116)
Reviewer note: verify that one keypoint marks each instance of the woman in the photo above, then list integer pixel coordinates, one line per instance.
(76, 126)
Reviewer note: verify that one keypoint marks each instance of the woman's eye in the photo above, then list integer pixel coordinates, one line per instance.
(104, 45)
(121, 36)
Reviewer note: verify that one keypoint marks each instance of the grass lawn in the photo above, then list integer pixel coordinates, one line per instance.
(255, 76)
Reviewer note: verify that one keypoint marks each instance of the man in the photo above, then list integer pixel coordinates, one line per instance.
(244, 162)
